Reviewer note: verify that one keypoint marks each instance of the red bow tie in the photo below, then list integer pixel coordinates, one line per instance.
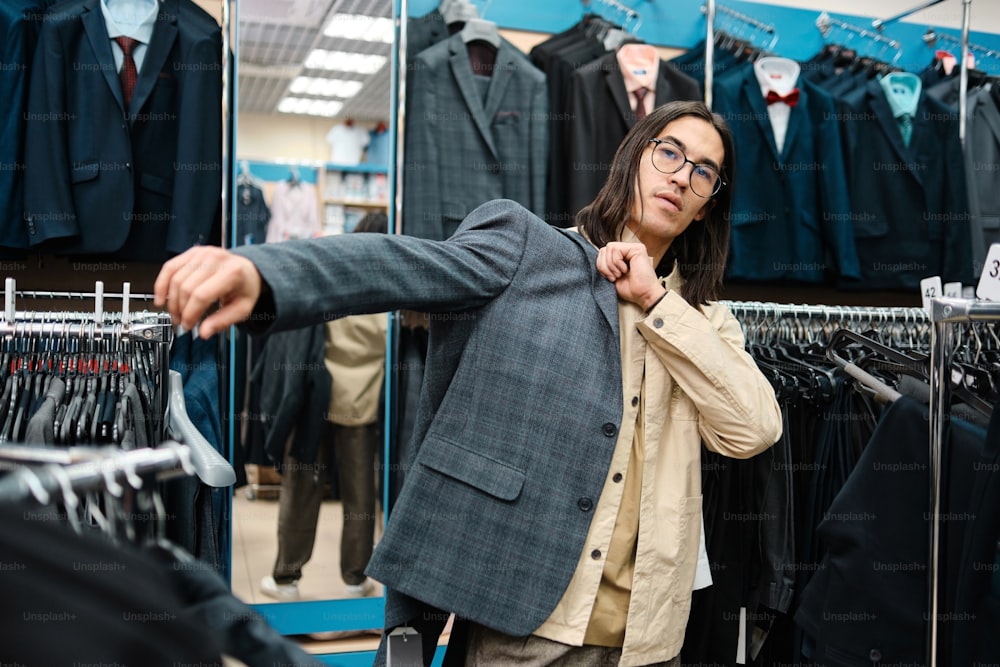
(791, 99)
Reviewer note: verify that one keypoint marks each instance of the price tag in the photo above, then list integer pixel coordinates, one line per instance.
(989, 279)
(404, 648)
(930, 288)
(953, 290)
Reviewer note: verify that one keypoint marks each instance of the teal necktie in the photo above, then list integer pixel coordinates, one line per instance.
(906, 128)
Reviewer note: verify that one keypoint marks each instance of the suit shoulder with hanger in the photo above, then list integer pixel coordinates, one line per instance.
(791, 211)
(102, 178)
(602, 115)
(463, 148)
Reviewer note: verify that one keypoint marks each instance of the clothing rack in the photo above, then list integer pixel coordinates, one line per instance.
(710, 9)
(878, 24)
(825, 23)
(945, 313)
(61, 472)
(153, 328)
(629, 13)
(932, 36)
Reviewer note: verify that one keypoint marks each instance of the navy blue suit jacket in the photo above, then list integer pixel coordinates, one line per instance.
(144, 182)
(19, 22)
(791, 212)
(911, 209)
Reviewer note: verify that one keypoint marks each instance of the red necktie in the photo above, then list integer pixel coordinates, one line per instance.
(791, 99)
(640, 108)
(129, 74)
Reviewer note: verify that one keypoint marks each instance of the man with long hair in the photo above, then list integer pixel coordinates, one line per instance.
(553, 498)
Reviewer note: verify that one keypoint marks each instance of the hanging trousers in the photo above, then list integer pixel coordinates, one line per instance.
(354, 448)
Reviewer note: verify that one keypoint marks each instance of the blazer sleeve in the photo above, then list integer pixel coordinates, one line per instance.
(48, 200)
(351, 274)
(739, 415)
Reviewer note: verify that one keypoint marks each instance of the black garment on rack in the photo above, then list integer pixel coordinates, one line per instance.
(867, 604)
(77, 599)
(252, 215)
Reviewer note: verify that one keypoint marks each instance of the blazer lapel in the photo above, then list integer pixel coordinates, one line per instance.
(758, 107)
(604, 291)
(461, 69)
(97, 35)
(796, 123)
(615, 82)
(883, 115)
(990, 113)
(503, 71)
(164, 34)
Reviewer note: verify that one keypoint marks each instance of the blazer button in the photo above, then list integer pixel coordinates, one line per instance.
(596, 554)
(635, 401)
(585, 504)
(657, 323)
(609, 430)
(617, 477)
(875, 655)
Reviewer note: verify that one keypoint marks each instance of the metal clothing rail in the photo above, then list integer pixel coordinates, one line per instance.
(932, 36)
(878, 24)
(630, 14)
(64, 472)
(710, 10)
(825, 23)
(945, 314)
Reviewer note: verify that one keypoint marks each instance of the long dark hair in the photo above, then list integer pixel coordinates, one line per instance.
(699, 252)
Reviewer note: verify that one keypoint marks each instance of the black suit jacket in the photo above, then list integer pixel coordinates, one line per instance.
(144, 182)
(601, 116)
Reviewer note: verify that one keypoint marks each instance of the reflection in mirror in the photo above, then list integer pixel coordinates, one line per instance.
(311, 152)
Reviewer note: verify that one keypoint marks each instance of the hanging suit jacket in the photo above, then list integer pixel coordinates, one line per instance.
(463, 150)
(601, 117)
(982, 163)
(791, 217)
(910, 204)
(144, 182)
(19, 23)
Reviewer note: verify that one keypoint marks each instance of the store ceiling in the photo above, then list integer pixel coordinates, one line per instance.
(275, 38)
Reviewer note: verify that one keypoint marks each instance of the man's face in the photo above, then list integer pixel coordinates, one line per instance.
(665, 204)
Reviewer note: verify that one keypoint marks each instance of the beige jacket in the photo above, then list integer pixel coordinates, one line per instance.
(689, 371)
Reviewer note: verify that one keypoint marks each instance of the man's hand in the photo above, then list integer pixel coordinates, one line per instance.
(196, 280)
(629, 267)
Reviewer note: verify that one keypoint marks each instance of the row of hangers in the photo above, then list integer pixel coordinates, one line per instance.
(799, 354)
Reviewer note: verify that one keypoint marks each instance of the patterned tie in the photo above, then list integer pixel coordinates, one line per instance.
(640, 108)
(129, 74)
(791, 99)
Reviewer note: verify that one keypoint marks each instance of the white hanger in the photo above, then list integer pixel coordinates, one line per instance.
(481, 30)
(457, 11)
(209, 465)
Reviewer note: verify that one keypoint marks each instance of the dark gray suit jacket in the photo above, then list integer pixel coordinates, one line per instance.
(463, 149)
(519, 413)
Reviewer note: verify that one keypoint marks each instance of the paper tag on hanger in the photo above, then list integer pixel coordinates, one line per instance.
(953, 290)
(930, 288)
(989, 279)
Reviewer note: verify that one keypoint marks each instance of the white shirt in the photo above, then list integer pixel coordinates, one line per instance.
(294, 212)
(347, 143)
(779, 75)
(130, 18)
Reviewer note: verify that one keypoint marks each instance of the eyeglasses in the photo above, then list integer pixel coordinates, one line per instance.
(668, 158)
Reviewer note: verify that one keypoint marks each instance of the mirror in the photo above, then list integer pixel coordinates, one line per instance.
(311, 158)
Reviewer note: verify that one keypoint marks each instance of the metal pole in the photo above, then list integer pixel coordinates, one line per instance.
(963, 82)
(709, 52)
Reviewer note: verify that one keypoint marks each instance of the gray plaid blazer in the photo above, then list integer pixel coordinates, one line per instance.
(519, 412)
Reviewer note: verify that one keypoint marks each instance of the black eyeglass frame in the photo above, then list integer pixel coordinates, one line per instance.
(721, 183)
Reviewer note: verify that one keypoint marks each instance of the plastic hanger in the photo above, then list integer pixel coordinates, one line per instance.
(210, 467)
(481, 30)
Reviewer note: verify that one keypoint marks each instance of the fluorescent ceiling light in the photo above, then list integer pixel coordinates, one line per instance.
(357, 26)
(343, 61)
(318, 87)
(308, 107)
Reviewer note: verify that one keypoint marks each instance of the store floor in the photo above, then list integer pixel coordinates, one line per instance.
(254, 548)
